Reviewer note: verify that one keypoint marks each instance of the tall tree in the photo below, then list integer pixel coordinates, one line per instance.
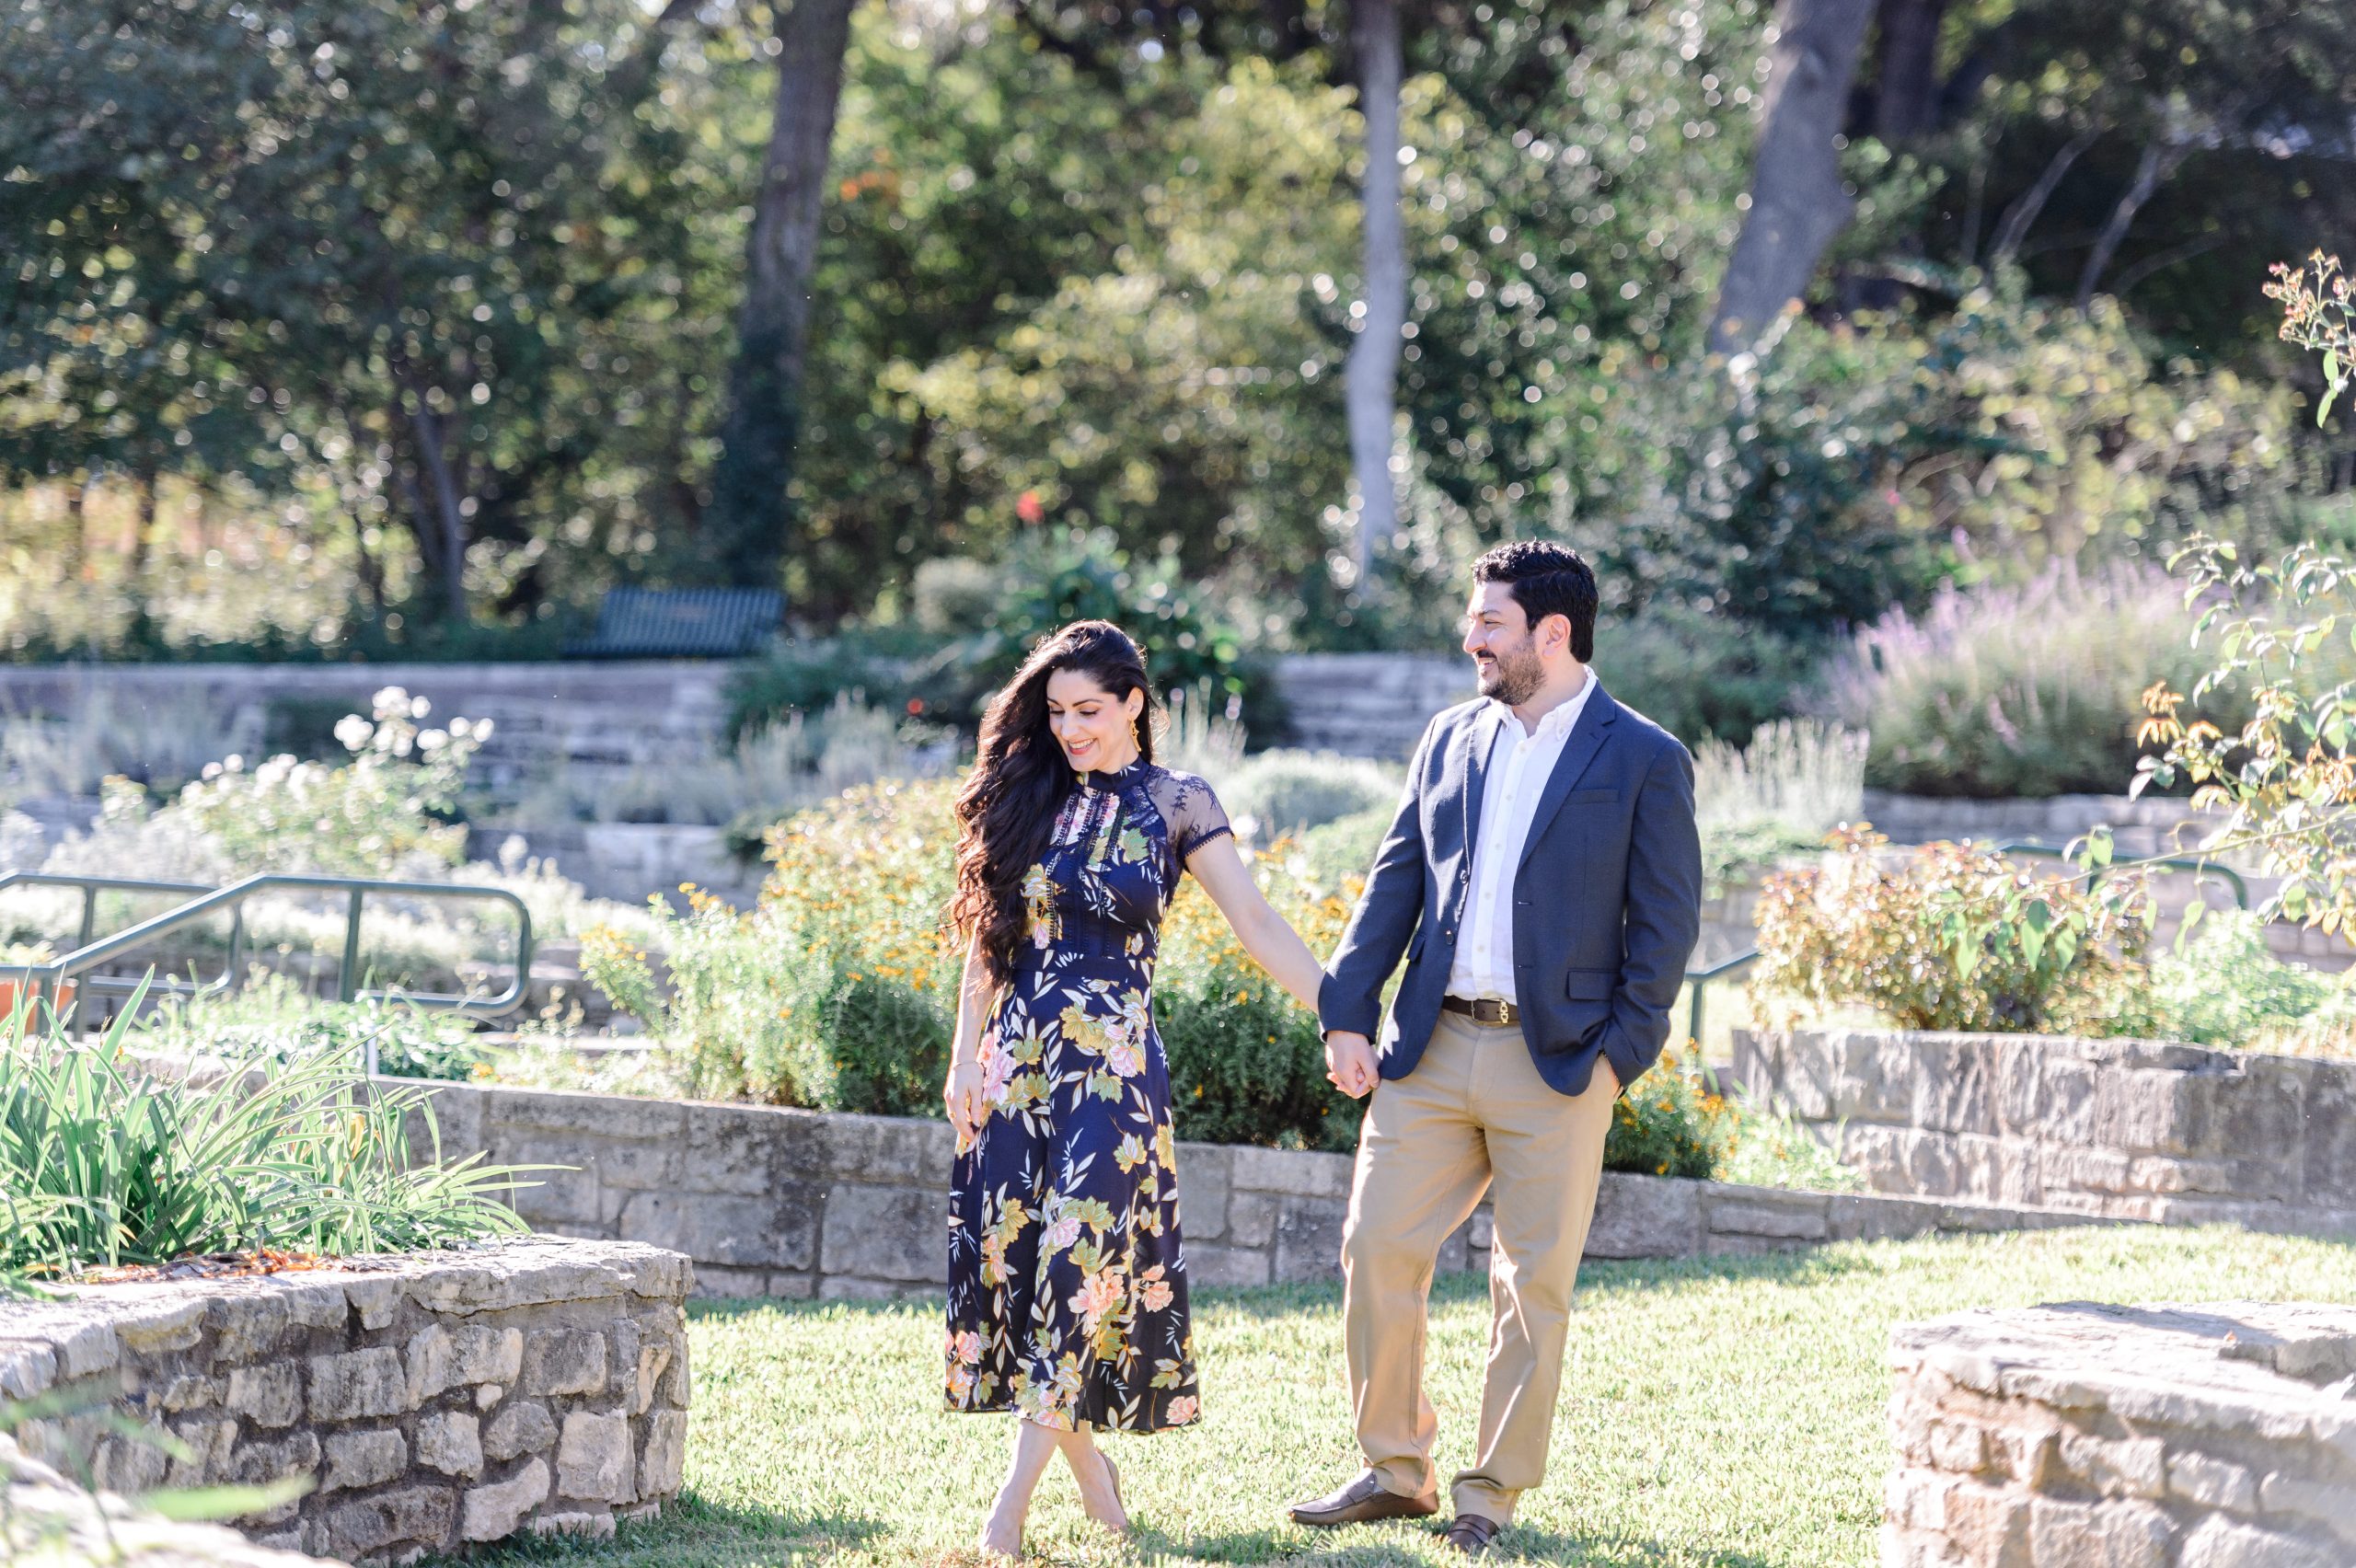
(354, 239)
(1371, 376)
(752, 504)
(1798, 200)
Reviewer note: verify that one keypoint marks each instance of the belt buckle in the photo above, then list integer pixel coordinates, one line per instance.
(1490, 1010)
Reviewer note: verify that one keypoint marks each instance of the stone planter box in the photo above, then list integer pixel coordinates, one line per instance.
(2215, 1437)
(771, 1201)
(2131, 1129)
(435, 1398)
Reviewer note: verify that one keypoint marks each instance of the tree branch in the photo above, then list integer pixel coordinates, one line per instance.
(2023, 212)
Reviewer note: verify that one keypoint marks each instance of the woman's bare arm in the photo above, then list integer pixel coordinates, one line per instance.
(1274, 945)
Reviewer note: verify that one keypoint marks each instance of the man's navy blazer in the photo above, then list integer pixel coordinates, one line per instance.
(1607, 898)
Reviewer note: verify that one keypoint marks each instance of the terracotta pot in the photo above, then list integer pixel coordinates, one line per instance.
(11, 989)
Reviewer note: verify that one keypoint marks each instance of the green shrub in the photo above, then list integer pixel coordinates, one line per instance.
(1702, 676)
(1956, 937)
(810, 678)
(1671, 1122)
(101, 1163)
(1336, 857)
(838, 992)
(2032, 690)
(272, 1017)
(1287, 792)
(2223, 987)
(1795, 780)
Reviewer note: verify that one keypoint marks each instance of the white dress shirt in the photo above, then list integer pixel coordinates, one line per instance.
(1520, 761)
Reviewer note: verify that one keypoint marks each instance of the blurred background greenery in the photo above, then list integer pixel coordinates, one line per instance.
(374, 330)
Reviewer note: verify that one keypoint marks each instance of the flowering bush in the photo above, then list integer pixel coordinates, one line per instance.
(1957, 937)
(1999, 691)
(839, 991)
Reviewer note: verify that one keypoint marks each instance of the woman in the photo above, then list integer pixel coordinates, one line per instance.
(1066, 1278)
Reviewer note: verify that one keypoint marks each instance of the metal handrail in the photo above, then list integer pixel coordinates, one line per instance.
(48, 978)
(1699, 979)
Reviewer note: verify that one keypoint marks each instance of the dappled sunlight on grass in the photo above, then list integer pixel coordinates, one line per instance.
(1726, 1413)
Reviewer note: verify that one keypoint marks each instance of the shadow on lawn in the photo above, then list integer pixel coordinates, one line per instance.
(691, 1530)
(1807, 1266)
(1419, 1546)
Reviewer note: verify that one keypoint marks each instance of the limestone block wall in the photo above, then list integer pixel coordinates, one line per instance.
(1368, 703)
(2211, 1436)
(2127, 1128)
(435, 1400)
(774, 1202)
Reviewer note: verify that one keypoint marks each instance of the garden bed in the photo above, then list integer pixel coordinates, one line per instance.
(773, 1202)
(2131, 1129)
(435, 1399)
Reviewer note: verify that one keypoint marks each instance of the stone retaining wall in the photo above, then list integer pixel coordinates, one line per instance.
(803, 1204)
(2127, 1128)
(436, 1400)
(2214, 1436)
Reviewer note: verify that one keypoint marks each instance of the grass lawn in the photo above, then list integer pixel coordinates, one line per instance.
(1726, 1412)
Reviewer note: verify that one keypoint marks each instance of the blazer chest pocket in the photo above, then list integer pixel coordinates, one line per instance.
(1591, 985)
(1592, 798)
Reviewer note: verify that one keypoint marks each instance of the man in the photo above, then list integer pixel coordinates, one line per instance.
(1543, 880)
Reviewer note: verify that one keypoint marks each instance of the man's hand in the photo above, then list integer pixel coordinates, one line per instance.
(1349, 1061)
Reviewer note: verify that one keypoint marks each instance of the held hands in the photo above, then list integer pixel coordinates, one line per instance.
(962, 1096)
(1349, 1061)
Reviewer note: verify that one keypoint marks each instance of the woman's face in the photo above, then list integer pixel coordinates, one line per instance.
(1090, 724)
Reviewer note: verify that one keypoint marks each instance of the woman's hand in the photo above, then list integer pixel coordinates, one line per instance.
(962, 1096)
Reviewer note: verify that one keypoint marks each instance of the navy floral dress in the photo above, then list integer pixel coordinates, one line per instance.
(1067, 1277)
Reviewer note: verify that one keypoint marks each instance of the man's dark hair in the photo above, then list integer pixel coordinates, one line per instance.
(1546, 580)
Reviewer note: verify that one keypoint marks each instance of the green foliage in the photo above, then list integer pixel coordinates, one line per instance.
(1794, 781)
(1671, 1122)
(1953, 937)
(271, 1018)
(1999, 692)
(1703, 675)
(1338, 855)
(2223, 987)
(1286, 794)
(838, 991)
(380, 262)
(2281, 780)
(103, 1163)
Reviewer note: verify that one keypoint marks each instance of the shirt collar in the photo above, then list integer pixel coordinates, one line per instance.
(1559, 718)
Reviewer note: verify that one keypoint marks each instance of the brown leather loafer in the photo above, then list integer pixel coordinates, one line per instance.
(1471, 1534)
(1363, 1500)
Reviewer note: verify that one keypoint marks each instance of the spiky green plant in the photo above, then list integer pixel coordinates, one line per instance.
(104, 1160)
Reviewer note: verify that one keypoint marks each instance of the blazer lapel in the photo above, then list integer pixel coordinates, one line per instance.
(1587, 738)
(1480, 738)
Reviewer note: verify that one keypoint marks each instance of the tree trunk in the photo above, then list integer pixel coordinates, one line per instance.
(1370, 378)
(1906, 94)
(77, 526)
(443, 530)
(1797, 204)
(2023, 212)
(749, 511)
(2158, 162)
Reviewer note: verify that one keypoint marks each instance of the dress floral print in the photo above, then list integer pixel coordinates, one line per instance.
(1067, 1276)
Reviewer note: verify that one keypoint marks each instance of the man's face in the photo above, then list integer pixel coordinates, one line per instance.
(1504, 651)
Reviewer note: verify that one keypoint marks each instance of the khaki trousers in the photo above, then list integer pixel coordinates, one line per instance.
(1473, 1110)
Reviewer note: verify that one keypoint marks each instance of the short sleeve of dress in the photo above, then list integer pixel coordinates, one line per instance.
(1187, 803)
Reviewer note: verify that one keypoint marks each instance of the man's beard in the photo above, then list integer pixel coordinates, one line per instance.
(1513, 678)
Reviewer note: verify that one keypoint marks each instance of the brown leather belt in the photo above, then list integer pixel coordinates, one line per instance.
(1484, 1009)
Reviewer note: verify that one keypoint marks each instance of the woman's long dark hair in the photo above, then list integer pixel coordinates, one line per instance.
(1019, 782)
